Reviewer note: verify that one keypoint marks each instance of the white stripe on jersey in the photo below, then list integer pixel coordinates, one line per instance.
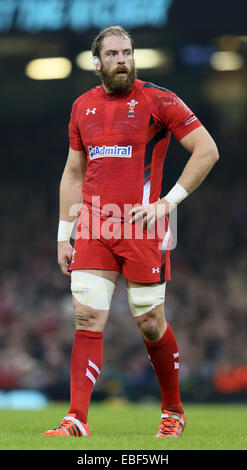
(146, 193)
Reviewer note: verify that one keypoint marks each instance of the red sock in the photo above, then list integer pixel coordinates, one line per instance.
(164, 357)
(86, 361)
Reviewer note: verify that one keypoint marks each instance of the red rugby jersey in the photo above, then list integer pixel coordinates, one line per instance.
(126, 140)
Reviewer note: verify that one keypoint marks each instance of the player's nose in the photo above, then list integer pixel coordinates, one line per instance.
(121, 58)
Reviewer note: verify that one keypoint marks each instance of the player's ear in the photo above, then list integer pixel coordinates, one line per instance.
(96, 63)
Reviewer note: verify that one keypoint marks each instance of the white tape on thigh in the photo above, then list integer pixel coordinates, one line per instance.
(92, 290)
(144, 299)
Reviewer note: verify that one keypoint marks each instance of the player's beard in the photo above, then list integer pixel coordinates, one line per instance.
(116, 84)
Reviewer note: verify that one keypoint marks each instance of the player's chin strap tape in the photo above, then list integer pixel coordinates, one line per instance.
(91, 290)
(144, 299)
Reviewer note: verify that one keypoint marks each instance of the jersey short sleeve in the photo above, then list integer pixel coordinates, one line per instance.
(75, 141)
(176, 115)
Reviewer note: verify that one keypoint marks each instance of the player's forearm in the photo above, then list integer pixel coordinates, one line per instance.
(70, 196)
(198, 167)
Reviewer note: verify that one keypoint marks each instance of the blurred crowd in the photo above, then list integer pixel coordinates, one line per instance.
(206, 299)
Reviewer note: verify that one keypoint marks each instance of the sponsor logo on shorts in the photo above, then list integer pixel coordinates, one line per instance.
(110, 151)
(155, 270)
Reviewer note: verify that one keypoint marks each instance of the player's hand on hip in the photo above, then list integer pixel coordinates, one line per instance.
(64, 255)
(150, 213)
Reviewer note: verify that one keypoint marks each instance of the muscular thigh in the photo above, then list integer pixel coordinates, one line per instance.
(147, 303)
(144, 298)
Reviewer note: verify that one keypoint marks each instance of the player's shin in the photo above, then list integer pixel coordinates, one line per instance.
(86, 362)
(164, 357)
(91, 300)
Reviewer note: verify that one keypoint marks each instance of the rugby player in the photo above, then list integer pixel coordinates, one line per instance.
(119, 134)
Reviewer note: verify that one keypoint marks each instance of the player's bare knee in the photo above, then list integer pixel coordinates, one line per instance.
(87, 318)
(151, 325)
(147, 325)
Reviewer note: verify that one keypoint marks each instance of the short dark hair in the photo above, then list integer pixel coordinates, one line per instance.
(112, 30)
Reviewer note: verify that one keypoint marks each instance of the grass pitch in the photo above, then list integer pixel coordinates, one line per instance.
(124, 426)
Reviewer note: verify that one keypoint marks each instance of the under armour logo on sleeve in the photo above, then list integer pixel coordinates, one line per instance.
(93, 111)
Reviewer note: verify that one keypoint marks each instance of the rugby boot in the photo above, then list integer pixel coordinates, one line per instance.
(69, 426)
(172, 424)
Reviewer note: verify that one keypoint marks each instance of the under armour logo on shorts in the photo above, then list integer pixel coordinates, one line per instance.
(155, 270)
